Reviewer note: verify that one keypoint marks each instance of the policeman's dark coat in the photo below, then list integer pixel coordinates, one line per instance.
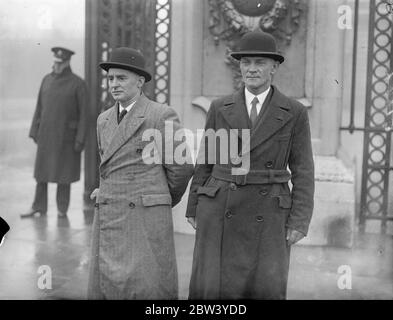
(240, 248)
(60, 119)
(133, 253)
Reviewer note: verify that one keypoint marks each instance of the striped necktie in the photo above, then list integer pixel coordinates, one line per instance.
(122, 114)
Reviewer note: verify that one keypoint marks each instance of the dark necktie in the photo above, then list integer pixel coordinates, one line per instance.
(254, 113)
(122, 114)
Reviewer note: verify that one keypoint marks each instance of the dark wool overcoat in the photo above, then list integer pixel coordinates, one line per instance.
(240, 247)
(60, 119)
(133, 253)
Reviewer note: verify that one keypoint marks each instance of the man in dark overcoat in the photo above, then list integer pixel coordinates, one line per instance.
(246, 221)
(59, 129)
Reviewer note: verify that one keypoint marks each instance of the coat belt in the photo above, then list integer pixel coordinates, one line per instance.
(252, 177)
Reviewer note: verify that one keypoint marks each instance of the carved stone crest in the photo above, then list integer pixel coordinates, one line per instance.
(230, 19)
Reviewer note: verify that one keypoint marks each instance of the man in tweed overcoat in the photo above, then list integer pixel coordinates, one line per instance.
(133, 254)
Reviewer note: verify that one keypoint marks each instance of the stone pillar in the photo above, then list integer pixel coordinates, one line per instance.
(324, 73)
(327, 85)
(333, 220)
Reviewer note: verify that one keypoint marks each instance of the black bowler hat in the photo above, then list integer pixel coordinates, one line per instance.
(62, 54)
(257, 44)
(129, 59)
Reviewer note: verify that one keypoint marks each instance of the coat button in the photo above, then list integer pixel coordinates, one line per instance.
(103, 176)
(139, 150)
(259, 218)
(269, 164)
(132, 205)
(263, 192)
(96, 205)
(228, 214)
(233, 186)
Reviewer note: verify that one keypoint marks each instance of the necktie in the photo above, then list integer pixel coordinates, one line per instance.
(253, 113)
(122, 114)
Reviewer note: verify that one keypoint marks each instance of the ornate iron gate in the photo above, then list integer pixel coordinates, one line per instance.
(378, 127)
(378, 119)
(141, 24)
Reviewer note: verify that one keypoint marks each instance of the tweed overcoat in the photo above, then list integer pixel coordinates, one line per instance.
(133, 254)
(240, 248)
(60, 119)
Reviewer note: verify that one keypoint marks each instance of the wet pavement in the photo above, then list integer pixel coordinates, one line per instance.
(63, 245)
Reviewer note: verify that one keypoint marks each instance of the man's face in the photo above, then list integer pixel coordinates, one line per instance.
(124, 85)
(257, 73)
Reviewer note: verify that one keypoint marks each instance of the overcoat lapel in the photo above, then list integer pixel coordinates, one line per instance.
(235, 113)
(121, 133)
(109, 128)
(273, 119)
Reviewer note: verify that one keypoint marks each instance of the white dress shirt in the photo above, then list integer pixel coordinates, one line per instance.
(261, 98)
(128, 108)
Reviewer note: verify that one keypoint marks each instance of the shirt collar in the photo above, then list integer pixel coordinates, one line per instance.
(128, 108)
(250, 96)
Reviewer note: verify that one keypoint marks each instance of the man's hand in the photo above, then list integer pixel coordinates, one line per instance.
(192, 221)
(293, 236)
(94, 194)
(78, 147)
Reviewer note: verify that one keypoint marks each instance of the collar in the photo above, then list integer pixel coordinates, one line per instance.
(66, 71)
(128, 108)
(250, 96)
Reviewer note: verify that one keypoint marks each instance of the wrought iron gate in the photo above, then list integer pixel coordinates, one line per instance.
(141, 24)
(374, 202)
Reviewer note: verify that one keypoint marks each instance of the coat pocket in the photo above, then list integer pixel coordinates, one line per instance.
(285, 201)
(209, 191)
(149, 200)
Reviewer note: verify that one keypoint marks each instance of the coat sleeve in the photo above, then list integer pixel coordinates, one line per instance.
(202, 168)
(178, 168)
(83, 109)
(301, 164)
(35, 124)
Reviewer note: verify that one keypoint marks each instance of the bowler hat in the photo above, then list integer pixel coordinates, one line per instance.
(257, 44)
(62, 54)
(129, 59)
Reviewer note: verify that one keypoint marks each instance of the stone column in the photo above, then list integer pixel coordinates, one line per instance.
(327, 84)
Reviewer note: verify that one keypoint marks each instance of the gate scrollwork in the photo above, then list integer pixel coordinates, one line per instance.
(230, 19)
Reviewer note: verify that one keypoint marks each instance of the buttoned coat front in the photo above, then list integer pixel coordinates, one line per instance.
(240, 247)
(60, 120)
(133, 254)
